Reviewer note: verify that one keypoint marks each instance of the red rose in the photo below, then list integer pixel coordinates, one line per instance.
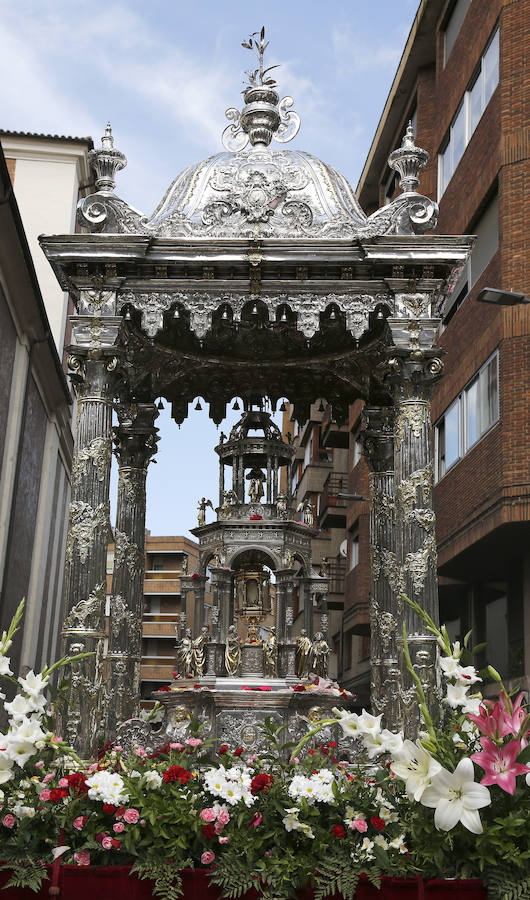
(119, 812)
(208, 831)
(109, 809)
(177, 773)
(378, 823)
(165, 687)
(238, 751)
(195, 575)
(261, 783)
(115, 843)
(298, 688)
(223, 749)
(332, 744)
(338, 832)
(255, 517)
(57, 794)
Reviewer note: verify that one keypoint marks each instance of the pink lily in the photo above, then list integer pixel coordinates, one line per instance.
(491, 720)
(516, 716)
(499, 763)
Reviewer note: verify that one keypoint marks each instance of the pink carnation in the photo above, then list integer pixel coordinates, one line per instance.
(39, 764)
(194, 742)
(118, 827)
(359, 825)
(208, 815)
(63, 782)
(223, 839)
(80, 822)
(45, 795)
(223, 817)
(8, 821)
(82, 858)
(218, 827)
(106, 842)
(131, 816)
(176, 745)
(207, 857)
(49, 777)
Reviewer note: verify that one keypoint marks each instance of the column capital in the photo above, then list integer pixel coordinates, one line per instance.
(136, 436)
(378, 437)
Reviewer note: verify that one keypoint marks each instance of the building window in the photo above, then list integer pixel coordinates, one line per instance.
(110, 562)
(354, 547)
(357, 447)
(453, 25)
(474, 102)
(486, 229)
(470, 416)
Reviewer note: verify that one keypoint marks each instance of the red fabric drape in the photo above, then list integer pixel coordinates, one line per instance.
(87, 883)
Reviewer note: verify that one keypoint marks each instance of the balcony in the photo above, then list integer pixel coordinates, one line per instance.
(157, 668)
(336, 576)
(313, 478)
(333, 435)
(332, 507)
(159, 624)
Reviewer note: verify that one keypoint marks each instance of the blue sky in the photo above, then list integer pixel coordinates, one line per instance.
(164, 73)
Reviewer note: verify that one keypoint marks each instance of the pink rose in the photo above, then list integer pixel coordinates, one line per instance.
(82, 858)
(49, 777)
(176, 746)
(223, 817)
(208, 815)
(207, 857)
(106, 842)
(63, 782)
(131, 816)
(45, 795)
(223, 839)
(359, 825)
(142, 822)
(8, 821)
(118, 827)
(80, 822)
(194, 742)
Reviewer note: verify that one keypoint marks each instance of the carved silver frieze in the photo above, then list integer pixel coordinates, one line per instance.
(127, 553)
(121, 616)
(417, 563)
(406, 492)
(414, 414)
(91, 609)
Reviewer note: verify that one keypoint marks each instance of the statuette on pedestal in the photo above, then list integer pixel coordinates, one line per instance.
(270, 655)
(230, 500)
(319, 655)
(303, 654)
(199, 652)
(185, 654)
(232, 652)
(281, 505)
(255, 487)
(308, 515)
(201, 510)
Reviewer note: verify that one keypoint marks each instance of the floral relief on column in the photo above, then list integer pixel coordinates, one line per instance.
(127, 553)
(84, 609)
(84, 520)
(99, 450)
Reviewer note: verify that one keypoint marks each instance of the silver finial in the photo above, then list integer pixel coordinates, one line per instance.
(407, 161)
(264, 116)
(106, 161)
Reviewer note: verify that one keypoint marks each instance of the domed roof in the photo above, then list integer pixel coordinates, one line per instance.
(259, 192)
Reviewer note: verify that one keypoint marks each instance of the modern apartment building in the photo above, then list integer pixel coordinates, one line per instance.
(166, 560)
(464, 81)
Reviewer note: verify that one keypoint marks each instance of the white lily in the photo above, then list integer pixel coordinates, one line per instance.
(472, 705)
(455, 797)
(416, 767)
(4, 665)
(449, 666)
(6, 767)
(467, 675)
(19, 707)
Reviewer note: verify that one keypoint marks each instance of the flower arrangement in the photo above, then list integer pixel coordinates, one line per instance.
(272, 820)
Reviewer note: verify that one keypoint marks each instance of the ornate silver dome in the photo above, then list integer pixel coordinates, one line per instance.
(259, 192)
(253, 192)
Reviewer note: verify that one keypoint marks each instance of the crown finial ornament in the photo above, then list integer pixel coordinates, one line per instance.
(407, 161)
(264, 115)
(106, 161)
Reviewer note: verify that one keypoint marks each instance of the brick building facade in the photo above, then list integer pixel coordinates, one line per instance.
(464, 81)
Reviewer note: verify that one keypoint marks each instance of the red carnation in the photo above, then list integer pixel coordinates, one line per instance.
(223, 749)
(114, 843)
(298, 688)
(177, 773)
(338, 832)
(209, 831)
(238, 751)
(77, 783)
(378, 823)
(195, 575)
(332, 744)
(261, 783)
(109, 809)
(58, 794)
(165, 687)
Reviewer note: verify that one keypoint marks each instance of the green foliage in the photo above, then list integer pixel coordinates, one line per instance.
(233, 876)
(165, 875)
(27, 873)
(502, 885)
(337, 875)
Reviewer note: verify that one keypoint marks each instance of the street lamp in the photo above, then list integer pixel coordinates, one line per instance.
(502, 298)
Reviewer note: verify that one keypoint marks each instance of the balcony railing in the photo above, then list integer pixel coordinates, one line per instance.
(336, 575)
(336, 483)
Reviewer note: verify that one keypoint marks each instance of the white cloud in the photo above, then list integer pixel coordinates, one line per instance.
(354, 54)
